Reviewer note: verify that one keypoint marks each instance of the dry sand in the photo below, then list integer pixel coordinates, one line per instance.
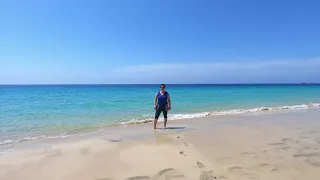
(265, 146)
(268, 147)
(163, 157)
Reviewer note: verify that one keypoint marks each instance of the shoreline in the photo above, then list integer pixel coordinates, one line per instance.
(195, 116)
(237, 147)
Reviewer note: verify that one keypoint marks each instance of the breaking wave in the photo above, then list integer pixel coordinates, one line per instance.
(226, 112)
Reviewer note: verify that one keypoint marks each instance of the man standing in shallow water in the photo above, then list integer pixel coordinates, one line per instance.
(162, 103)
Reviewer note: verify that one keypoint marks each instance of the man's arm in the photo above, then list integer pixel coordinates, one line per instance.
(155, 100)
(169, 102)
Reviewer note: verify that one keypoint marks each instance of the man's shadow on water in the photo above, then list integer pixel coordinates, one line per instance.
(173, 128)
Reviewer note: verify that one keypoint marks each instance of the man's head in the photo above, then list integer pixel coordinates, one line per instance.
(162, 86)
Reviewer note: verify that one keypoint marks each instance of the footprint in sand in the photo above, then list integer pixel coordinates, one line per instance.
(139, 178)
(313, 162)
(306, 155)
(248, 154)
(280, 145)
(266, 166)
(286, 140)
(304, 137)
(183, 153)
(208, 175)
(243, 174)
(200, 165)
(285, 148)
(168, 174)
(185, 144)
(277, 144)
(234, 168)
(266, 151)
(249, 176)
(115, 140)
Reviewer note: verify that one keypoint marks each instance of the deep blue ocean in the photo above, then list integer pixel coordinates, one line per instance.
(31, 111)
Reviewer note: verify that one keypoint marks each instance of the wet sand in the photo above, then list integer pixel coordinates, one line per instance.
(277, 146)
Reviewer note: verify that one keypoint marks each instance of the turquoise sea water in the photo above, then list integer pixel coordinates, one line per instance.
(27, 112)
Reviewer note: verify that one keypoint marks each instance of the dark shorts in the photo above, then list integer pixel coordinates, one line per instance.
(159, 110)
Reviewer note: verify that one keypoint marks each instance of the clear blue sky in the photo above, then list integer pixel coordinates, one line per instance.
(170, 41)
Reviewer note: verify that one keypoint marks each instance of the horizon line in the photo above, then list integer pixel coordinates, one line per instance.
(53, 84)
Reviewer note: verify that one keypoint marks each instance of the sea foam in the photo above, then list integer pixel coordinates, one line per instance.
(225, 112)
(6, 142)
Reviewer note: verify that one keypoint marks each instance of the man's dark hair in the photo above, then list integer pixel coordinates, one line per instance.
(163, 85)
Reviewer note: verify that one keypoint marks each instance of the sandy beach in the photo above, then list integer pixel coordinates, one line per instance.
(159, 90)
(279, 146)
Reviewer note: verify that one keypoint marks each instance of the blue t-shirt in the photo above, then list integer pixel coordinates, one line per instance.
(162, 99)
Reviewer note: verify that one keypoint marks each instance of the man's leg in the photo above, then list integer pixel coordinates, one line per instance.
(156, 117)
(165, 115)
(155, 123)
